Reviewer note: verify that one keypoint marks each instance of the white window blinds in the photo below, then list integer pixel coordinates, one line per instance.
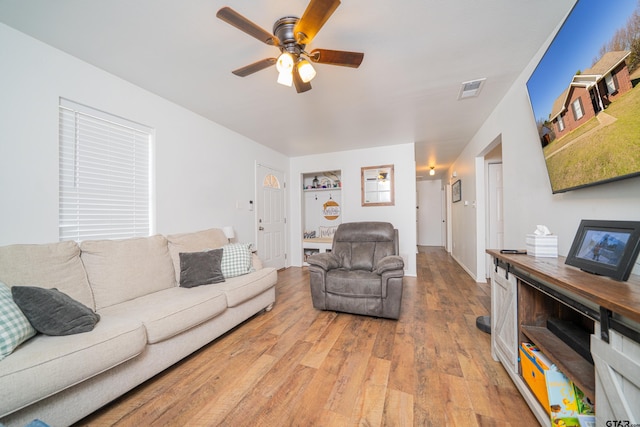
(104, 175)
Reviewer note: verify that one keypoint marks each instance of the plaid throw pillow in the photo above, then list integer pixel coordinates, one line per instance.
(236, 259)
(14, 326)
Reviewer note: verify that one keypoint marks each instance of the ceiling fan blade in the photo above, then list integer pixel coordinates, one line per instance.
(255, 67)
(232, 17)
(299, 84)
(337, 57)
(313, 18)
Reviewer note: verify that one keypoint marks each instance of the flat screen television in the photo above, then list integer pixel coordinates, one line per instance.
(585, 96)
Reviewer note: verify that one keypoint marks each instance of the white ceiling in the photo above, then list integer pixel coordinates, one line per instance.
(417, 55)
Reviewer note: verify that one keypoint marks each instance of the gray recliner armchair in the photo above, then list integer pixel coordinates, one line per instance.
(363, 272)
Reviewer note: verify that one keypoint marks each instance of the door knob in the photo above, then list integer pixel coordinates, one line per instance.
(260, 228)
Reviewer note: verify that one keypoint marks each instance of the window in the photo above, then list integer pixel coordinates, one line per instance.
(271, 181)
(611, 84)
(105, 175)
(577, 109)
(560, 123)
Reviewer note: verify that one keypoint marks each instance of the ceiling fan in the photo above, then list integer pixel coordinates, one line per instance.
(291, 35)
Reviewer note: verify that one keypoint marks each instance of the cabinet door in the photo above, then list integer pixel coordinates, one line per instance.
(617, 378)
(504, 331)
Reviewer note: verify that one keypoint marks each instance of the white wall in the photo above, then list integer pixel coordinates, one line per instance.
(430, 213)
(200, 175)
(528, 200)
(402, 215)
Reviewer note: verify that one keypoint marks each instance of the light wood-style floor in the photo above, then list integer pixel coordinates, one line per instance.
(296, 366)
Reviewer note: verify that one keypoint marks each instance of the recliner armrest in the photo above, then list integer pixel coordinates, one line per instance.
(325, 261)
(389, 263)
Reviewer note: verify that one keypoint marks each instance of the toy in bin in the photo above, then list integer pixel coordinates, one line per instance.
(585, 405)
(567, 403)
(564, 402)
(562, 396)
(584, 416)
(534, 364)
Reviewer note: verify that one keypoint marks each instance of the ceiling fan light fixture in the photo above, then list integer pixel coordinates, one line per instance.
(285, 78)
(284, 63)
(306, 70)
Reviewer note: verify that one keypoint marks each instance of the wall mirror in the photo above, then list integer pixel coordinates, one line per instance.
(377, 186)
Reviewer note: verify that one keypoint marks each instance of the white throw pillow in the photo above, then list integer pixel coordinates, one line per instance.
(236, 259)
(328, 231)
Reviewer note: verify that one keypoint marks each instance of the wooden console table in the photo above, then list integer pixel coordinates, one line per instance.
(529, 293)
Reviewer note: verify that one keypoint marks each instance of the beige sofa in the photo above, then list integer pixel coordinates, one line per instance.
(147, 322)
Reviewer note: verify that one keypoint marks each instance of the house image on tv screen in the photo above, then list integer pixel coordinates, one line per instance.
(590, 92)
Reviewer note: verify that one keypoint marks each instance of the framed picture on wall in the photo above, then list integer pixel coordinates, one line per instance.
(456, 191)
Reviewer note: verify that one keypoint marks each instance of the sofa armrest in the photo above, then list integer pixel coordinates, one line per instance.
(389, 263)
(324, 260)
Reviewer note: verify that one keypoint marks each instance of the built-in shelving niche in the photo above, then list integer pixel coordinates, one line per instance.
(321, 208)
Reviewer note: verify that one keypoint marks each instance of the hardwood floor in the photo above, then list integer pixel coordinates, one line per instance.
(297, 366)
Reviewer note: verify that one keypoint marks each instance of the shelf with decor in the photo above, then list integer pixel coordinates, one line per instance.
(328, 180)
(311, 190)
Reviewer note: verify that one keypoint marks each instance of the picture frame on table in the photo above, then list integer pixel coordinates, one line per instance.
(606, 248)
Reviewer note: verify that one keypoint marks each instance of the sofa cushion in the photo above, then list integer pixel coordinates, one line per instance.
(236, 259)
(14, 325)
(171, 311)
(241, 288)
(121, 270)
(198, 241)
(54, 265)
(360, 245)
(52, 312)
(66, 360)
(354, 283)
(200, 268)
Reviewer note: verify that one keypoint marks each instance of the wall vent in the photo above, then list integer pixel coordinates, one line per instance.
(471, 89)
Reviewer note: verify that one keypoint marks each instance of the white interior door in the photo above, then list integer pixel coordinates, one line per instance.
(443, 215)
(270, 216)
(449, 240)
(430, 211)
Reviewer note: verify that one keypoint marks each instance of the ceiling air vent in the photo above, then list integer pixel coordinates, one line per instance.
(471, 89)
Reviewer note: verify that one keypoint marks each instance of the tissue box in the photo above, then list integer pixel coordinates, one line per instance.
(542, 246)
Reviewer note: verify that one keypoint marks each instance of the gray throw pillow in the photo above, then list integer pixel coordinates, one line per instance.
(52, 312)
(200, 268)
